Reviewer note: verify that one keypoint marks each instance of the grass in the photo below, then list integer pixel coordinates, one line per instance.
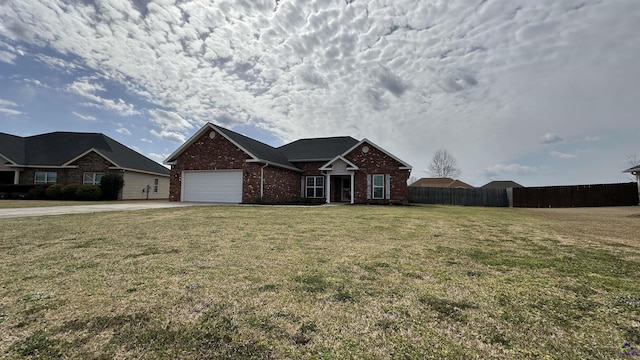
(367, 282)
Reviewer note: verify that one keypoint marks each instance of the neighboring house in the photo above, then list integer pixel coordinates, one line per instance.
(502, 184)
(635, 171)
(80, 158)
(219, 165)
(441, 183)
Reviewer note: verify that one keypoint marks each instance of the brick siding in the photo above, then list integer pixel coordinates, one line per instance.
(210, 154)
(376, 162)
(91, 162)
(280, 185)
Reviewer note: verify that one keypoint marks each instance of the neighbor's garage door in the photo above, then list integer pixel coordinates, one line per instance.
(212, 186)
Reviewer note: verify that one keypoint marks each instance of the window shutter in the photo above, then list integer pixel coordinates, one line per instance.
(368, 186)
(303, 193)
(387, 187)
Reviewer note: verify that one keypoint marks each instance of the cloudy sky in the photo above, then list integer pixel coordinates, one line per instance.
(541, 92)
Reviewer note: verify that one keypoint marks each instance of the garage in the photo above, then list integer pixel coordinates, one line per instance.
(212, 186)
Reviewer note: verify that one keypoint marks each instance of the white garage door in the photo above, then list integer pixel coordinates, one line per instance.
(212, 186)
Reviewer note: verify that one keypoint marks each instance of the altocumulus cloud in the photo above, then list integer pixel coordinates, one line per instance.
(411, 75)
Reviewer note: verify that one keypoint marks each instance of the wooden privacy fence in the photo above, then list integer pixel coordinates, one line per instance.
(464, 197)
(576, 196)
(539, 197)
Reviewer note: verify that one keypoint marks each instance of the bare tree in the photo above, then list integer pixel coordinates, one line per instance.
(443, 164)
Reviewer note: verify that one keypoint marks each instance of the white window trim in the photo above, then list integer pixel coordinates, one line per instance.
(156, 183)
(374, 186)
(315, 187)
(46, 177)
(93, 181)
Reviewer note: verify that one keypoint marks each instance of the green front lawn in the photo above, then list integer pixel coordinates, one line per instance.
(322, 283)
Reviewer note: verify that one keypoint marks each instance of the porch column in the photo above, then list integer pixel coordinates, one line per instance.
(353, 189)
(328, 188)
(16, 177)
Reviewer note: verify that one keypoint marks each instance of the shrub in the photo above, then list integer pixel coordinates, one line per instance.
(88, 192)
(111, 184)
(69, 191)
(37, 192)
(55, 191)
(16, 191)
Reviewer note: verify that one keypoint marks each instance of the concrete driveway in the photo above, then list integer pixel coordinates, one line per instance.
(82, 209)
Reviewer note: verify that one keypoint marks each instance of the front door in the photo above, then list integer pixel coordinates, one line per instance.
(345, 189)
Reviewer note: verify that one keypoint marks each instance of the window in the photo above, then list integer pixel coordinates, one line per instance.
(315, 186)
(46, 177)
(155, 185)
(378, 186)
(92, 178)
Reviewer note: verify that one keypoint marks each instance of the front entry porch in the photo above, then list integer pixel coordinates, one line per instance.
(9, 177)
(339, 176)
(340, 189)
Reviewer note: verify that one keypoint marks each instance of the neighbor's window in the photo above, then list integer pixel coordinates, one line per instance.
(92, 178)
(378, 186)
(315, 186)
(155, 185)
(46, 177)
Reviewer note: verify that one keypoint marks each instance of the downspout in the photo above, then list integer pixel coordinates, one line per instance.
(262, 182)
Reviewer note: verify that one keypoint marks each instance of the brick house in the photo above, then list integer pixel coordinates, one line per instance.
(80, 158)
(219, 165)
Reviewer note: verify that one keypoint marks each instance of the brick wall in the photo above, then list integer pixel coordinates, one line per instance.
(280, 185)
(91, 162)
(209, 154)
(376, 162)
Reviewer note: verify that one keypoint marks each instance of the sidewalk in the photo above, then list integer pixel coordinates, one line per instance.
(82, 209)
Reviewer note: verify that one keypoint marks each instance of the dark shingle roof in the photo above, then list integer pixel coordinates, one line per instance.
(258, 149)
(58, 148)
(12, 147)
(318, 148)
(502, 184)
(305, 150)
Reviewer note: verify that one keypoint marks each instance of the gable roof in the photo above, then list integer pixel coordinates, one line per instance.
(441, 183)
(313, 149)
(501, 184)
(258, 151)
(403, 165)
(317, 149)
(59, 149)
(329, 165)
